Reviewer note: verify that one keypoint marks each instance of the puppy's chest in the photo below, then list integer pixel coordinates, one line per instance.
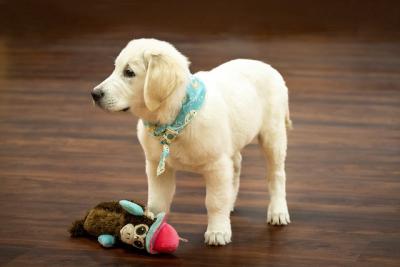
(183, 154)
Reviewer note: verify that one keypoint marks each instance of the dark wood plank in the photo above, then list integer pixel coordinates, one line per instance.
(59, 155)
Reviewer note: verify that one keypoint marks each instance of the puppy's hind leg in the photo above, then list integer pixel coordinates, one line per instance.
(273, 139)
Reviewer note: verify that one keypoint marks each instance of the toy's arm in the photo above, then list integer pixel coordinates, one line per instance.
(135, 209)
(131, 207)
(106, 241)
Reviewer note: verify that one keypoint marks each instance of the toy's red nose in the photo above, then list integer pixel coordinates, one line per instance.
(167, 240)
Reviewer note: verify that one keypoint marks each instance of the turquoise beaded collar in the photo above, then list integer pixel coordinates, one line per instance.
(193, 101)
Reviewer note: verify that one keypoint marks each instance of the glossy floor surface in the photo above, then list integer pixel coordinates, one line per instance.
(59, 155)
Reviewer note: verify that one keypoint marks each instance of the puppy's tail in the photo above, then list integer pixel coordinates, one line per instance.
(288, 121)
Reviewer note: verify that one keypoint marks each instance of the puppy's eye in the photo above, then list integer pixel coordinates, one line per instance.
(129, 73)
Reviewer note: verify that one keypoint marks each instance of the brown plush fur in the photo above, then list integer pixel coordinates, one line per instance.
(106, 218)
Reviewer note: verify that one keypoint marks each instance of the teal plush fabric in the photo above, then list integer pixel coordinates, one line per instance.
(106, 240)
(195, 95)
(131, 207)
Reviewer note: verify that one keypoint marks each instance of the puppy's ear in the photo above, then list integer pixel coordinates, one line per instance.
(161, 80)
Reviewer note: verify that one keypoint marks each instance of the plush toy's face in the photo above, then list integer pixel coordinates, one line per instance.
(134, 235)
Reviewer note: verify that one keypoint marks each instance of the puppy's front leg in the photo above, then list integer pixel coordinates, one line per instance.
(161, 189)
(219, 193)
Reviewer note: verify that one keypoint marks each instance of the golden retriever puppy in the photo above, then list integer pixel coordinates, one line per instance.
(242, 99)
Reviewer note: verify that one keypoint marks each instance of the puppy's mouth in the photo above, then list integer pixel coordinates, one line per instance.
(101, 105)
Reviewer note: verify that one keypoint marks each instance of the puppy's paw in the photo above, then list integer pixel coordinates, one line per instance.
(278, 213)
(148, 214)
(278, 218)
(213, 238)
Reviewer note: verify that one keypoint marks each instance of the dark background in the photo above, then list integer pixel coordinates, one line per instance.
(107, 26)
(59, 155)
(60, 19)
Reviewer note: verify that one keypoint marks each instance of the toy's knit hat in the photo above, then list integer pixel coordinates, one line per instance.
(161, 237)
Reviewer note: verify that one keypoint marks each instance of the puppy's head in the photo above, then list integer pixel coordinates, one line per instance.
(147, 72)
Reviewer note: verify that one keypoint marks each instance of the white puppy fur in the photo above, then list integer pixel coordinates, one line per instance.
(245, 99)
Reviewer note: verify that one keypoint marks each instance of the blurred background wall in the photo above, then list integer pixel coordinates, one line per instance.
(87, 35)
(353, 18)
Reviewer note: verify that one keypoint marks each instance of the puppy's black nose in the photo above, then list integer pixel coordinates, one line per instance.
(97, 94)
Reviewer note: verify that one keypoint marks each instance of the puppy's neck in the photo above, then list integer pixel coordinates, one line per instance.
(169, 109)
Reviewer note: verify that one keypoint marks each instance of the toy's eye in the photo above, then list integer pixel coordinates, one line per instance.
(138, 244)
(141, 229)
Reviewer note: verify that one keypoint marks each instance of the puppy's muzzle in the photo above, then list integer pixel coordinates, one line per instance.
(97, 94)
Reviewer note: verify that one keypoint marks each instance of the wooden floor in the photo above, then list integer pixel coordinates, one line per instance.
(59, 155)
